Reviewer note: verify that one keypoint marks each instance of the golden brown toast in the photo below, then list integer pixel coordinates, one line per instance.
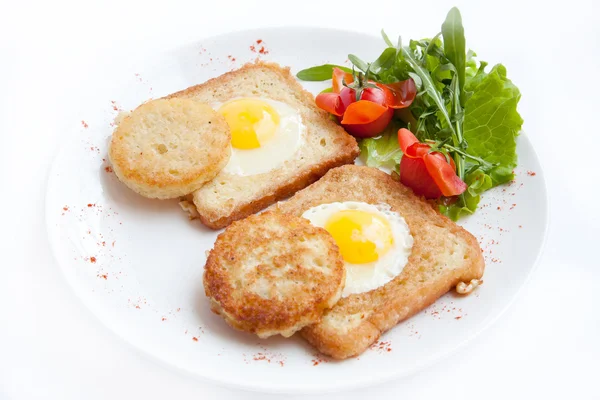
(443, 255)
(228, 197)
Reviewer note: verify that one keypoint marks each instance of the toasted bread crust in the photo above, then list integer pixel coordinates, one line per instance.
(273, 273)
(443, 255)
(213, 220)
(280, 183)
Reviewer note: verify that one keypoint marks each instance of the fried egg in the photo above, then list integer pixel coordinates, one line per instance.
(265, 133)
(374, 241)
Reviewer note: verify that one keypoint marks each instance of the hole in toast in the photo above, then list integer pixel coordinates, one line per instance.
(174, 172)
(323, 142)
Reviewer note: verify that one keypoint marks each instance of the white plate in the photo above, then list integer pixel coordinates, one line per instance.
(145, 283)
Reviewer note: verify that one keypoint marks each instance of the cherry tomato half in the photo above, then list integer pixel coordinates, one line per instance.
(428, 174)
(366, 119)
(414, 174)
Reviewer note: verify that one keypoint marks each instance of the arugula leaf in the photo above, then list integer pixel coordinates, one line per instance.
(382, 151)
(385, 60)
(449, 112)
(320, 72)
(358, 63)
(386, 39)
(492, 123)
(454, 45)
(428, 85)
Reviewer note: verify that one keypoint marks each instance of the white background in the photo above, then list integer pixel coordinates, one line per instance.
(546, 345)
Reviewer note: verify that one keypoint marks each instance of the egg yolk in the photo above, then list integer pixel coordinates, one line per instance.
(252, 122)
(362, 237)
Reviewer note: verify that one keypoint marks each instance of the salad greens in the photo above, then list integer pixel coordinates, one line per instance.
(460, 110)
(320, 72)
(384, 150)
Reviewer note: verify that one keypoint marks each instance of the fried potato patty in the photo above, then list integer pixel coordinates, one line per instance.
(273, 273)
(168, 148)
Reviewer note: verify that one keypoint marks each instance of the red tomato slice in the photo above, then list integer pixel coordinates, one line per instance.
(406, 139)
(348, 96)
(340, 76)
(400, 94)
(414, 174)
(417, 150)
(330, 102)
(444, 174)
(372, 124)
(452, 164)
(375, 95)
(363, 112)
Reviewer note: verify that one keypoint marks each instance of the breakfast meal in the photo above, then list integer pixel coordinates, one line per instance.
(344, 252)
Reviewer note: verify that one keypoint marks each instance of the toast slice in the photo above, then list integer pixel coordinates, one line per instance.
(228, 197)
(443, 256)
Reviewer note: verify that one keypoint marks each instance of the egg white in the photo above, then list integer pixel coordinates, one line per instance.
(289, 137)
(365, 277)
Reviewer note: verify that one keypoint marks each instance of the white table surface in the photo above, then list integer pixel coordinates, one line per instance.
(546, 345)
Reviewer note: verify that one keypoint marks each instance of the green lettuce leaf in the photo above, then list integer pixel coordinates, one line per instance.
(477, 183)
(471, 64)
(382, 151)
(475, 75)
(492, 122)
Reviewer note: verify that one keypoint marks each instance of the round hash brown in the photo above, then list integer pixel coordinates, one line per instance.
(273, 273)
(168, 148)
